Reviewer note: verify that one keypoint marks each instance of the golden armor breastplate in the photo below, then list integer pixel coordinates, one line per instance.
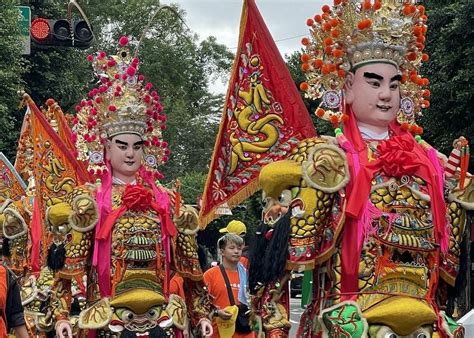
(399, 247)
(136, 241)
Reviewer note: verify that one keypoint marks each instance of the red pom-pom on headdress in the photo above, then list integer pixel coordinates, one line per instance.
(123, 41)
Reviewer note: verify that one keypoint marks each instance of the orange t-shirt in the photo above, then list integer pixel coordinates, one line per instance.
(218, 292)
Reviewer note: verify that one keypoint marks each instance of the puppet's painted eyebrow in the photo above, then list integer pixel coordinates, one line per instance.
(396, 78)
(139, 143)
(373, 76)
(121, 142)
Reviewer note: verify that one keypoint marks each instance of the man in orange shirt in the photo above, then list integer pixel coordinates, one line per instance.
(230, 247)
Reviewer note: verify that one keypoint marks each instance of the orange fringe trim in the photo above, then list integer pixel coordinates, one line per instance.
(245, 192)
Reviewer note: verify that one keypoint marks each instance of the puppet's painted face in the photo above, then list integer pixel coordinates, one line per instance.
(374, 93)
(276, 208)
(125, 153)
(126, 319)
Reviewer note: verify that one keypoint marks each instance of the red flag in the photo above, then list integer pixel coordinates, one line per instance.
(55, 113)
(264, 117)
(57, 122)
(56, 172)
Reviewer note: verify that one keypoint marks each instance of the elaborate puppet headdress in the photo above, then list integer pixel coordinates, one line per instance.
(356, 32)
(123, 103)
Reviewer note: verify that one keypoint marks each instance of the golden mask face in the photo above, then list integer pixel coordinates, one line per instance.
(326, 168)
(13, 225)
(124, 318)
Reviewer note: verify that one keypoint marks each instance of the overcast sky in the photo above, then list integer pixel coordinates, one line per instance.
(286, 20)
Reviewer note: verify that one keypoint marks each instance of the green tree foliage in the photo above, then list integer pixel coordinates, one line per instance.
(192, 186)
(450, 44)
(12, 66)
(62, 74)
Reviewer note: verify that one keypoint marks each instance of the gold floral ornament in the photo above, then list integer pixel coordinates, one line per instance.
(123, 103)
(356, 32)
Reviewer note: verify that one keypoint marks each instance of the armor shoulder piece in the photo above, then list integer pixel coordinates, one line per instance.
(465, 196)
(326, 168)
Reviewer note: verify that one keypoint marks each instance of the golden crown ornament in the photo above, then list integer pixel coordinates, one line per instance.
(123, 103)
(353, 33)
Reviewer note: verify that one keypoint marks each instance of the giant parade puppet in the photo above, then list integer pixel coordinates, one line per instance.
(376, 213)
(98, 257)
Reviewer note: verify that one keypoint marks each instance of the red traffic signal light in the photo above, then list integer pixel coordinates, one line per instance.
(40, 29)
(60, 33)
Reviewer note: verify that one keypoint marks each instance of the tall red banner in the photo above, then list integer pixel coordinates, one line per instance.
(56, 173)
(264, 117)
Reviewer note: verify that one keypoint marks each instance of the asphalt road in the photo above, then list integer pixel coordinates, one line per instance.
(295, 314)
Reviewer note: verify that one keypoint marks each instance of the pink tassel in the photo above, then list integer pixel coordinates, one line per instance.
(441, 229)
(102, 248)
(349, 148)
(391, 219)
(365, 224)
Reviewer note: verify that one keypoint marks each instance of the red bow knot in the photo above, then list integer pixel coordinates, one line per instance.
(397, 157)
(137, 198)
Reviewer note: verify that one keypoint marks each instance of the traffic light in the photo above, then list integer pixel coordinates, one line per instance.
(60, 33)
(82, 35)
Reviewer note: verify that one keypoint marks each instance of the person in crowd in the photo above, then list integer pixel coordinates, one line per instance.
(230, 248)
(240, 229)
